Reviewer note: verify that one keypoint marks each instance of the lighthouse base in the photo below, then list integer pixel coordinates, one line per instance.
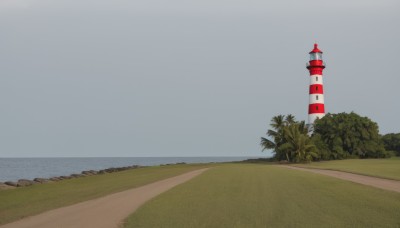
(314, 116)
(310, 129)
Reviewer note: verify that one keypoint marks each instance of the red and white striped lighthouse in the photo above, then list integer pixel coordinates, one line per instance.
(316, 107)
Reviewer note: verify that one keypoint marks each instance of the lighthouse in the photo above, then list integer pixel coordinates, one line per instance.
(316, 107)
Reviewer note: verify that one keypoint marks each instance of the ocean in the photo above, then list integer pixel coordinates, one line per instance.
(12, 169)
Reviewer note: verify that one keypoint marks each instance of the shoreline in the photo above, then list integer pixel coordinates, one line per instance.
(40, 180)
(13, 169)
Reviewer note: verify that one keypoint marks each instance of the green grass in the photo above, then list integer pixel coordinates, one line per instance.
(384, 168)
(254, 195)
(21, 202)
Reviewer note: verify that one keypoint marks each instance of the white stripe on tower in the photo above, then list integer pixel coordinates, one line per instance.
(316, 79)
(316, 107)
(316, 98)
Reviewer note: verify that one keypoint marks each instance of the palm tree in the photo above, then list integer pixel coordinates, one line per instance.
(290, 119)
(289, 139)
(298, 144)
(277, 133)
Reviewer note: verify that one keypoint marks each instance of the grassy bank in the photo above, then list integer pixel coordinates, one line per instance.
(252, 195)
(385, 168)
(21, 202)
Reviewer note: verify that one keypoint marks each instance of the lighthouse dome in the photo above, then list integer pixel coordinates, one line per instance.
(316, 49)
(316, 54)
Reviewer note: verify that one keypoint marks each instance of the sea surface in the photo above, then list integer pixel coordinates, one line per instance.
(12, 169)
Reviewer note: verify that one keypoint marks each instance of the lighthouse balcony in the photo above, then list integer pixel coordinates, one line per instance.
(315, 63)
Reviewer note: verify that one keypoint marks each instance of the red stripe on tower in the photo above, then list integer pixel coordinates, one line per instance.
(316, 107)
(316, 89)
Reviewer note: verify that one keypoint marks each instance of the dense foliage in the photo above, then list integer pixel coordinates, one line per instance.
(349, 135)
(335, 136)
(289, 140)
(392, 142)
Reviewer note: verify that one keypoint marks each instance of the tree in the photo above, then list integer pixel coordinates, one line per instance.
(321, 147)
(350, 135)
(392, 142)
(289, 140)
(277, 133)
(298, 144)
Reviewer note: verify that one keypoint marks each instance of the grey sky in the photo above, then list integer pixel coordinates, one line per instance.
(185, 78)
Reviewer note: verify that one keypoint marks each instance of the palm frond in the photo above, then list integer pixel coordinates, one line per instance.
(267, 144)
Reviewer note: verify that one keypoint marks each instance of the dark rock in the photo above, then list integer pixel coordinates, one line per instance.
(11, 183)
(41, 180)
(64, 177)
(24, 183)
(111, 170)
(89, 172)
(55, 179)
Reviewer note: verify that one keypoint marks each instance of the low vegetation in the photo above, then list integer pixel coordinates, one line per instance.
(335, 137)
(21, 202)
(254, 195)
(384, 168)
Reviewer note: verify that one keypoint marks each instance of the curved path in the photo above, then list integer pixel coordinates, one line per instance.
(391, 185)
(108, 211)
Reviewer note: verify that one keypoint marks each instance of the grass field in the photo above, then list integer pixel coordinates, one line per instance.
(256, 195)
(21, 202)
(385, 168)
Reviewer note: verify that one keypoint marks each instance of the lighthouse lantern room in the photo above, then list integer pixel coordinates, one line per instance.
(316, 107)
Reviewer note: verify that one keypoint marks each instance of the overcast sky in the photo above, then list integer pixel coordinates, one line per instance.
(185, 78)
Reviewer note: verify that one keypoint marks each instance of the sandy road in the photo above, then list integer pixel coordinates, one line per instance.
(391, 185)
(108, 211)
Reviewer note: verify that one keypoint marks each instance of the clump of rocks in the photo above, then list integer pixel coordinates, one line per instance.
(178, 163)
(25, 182)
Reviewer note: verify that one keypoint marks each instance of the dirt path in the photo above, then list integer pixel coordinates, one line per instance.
(391, 185)
(108, 211)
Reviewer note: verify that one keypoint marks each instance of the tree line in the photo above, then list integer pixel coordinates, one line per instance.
(335, 136)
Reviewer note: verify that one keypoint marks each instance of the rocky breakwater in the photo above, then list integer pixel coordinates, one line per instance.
(25, 182)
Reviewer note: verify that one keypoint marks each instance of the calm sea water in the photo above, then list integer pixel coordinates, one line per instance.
(12, 169)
